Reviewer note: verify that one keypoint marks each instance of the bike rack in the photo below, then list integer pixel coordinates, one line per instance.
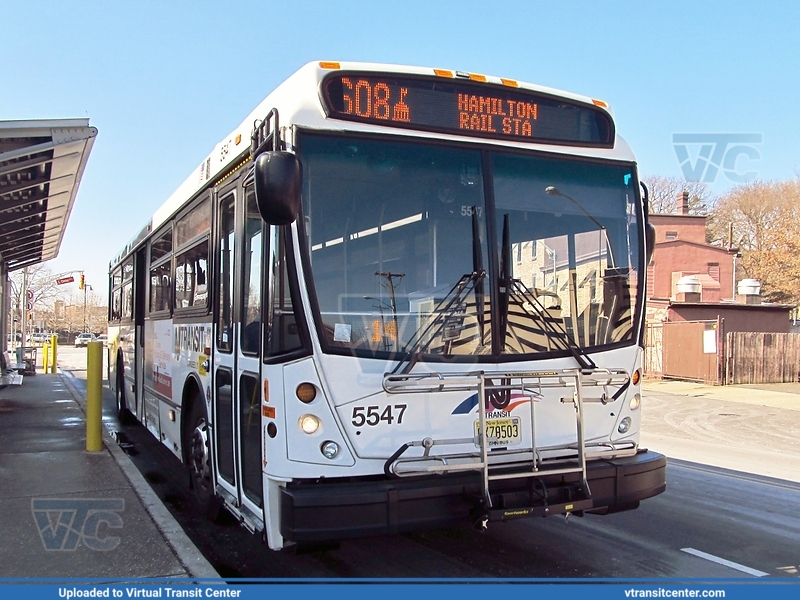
(534, 461)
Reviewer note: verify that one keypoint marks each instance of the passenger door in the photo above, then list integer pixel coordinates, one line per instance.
(237, 352)
(248, 360)
(224, 364)
(139, 304)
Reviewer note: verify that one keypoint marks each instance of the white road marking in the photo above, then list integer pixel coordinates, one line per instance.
(727, 563)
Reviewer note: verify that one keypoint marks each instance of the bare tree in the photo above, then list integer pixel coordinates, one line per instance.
(664, 193)
(753, 209)
(41, 283)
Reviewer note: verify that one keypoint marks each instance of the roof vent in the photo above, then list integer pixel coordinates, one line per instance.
(749, 287)
(689, 284)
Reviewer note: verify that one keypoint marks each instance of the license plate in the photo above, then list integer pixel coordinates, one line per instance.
(501, 432)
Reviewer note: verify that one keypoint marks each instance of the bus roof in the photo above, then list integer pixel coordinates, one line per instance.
(298, 100)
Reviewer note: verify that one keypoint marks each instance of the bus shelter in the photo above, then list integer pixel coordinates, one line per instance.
(41, 165)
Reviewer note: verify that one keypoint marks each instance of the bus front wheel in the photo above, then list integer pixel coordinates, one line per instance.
(198, 460)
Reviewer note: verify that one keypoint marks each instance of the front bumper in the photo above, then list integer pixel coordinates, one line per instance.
(322, 510)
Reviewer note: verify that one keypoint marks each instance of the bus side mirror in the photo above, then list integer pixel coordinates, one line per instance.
(649, 241)
(278, 184)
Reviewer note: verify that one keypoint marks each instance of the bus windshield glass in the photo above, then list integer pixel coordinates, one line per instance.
(441, 251)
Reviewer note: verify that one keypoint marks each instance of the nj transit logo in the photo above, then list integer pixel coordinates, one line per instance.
(496, 402)
(63, 522)
(715, 151)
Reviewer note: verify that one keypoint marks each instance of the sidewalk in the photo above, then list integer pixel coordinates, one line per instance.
(745, 428)
(65, 512)
(775, 395)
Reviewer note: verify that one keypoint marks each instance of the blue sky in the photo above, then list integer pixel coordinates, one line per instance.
(165, 81)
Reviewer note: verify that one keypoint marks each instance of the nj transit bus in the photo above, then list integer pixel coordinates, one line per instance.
(394, 299)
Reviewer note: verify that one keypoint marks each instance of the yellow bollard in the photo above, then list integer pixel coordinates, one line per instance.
(45, 362)
(53, 347)
(94, 396)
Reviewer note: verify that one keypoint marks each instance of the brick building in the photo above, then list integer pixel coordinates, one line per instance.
(681, 249)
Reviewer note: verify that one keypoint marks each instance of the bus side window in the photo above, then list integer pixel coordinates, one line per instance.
(283, 331)
(161, 272)
(116, 305)
(251, 279)
(190, 267)
(225, 274)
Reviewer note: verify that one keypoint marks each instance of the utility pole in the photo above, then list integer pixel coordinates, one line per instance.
(85, 288)
(24, 305)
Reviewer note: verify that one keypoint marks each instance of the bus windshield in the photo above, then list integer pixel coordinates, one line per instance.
(446, 251)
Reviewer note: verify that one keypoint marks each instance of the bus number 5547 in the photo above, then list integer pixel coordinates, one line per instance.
(372, 415)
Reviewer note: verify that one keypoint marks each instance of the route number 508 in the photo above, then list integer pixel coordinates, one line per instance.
(372, 415)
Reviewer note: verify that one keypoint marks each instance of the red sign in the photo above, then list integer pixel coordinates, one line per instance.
(63, 280)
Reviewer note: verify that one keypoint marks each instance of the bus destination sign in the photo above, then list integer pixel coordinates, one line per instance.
(465, 108)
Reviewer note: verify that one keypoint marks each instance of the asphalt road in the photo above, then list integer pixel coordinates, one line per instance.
(711, 522)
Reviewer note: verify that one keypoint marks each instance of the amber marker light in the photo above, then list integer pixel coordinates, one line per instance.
(329, 65)
(443, 72)
(306, 392)
(509, 82)
(599, 103)
(476, 77)
(636, 377)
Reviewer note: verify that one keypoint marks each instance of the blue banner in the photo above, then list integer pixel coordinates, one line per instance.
(479, 589)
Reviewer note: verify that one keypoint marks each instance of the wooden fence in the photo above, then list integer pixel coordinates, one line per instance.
(690, 350)
(762, 357)
(653, 349)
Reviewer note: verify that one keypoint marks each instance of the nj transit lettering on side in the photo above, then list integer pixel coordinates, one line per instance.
(192, 338)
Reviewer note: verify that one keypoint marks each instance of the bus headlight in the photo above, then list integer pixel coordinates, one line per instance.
(329, 449)
(309, 424)
(624, 425)
(635, 401)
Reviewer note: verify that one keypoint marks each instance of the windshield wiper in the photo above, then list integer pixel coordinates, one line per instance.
(477, 267)
(450, 311)
(514, 288)
(553, 328)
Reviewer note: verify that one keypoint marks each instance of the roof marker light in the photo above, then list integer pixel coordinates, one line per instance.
(509, 82)
(477, 77)
(443, 72)
(599, 103)
(329, 65)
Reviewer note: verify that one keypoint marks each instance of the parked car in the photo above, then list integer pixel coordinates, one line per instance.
(38, 339)
(102, 338)
(83, 339)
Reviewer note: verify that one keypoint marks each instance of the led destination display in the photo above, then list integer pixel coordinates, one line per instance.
(466, 108)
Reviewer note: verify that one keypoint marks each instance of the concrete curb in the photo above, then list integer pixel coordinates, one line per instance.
(756, 461)
(186, 552)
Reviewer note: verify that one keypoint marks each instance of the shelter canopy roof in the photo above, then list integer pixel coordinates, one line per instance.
(41, 165)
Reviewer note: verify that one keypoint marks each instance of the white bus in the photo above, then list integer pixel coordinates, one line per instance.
(395, 298)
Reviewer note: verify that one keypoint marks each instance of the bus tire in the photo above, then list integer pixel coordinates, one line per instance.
(123, 414)
(198, 460)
